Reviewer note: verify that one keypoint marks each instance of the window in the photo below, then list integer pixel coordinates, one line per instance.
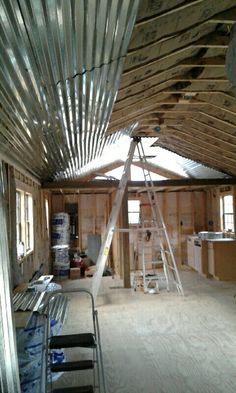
(227, 213)
(133, 211)
(18, 218)
(47, 214)
(28, 222)
(24, 223)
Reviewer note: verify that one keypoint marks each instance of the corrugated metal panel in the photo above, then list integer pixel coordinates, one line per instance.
(60, 68)
(183, 166)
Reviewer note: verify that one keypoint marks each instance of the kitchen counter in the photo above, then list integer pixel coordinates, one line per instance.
(225, 239)
(213, 257)
(222, 259)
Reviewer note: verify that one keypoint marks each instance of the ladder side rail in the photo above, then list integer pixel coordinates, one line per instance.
(175, 272)
(105, 247)
(157, 206)
(147, 185)
(157, 214)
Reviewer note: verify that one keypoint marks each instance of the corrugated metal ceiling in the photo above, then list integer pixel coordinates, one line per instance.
(60, 69)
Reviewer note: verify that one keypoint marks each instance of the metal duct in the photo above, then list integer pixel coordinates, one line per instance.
(59, 74)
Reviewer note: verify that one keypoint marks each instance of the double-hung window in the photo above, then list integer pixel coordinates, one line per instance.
(18, 218)
(24, 223)
(133, 211)
(227, 213)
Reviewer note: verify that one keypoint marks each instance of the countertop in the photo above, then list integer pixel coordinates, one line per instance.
(225, 239)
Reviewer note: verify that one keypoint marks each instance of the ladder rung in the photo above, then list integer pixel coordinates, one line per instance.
(75, 389)
(171, 267)
(84, 340)
(72, 366)
(151, 277)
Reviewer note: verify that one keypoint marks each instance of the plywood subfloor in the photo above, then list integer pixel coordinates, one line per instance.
(163, 343)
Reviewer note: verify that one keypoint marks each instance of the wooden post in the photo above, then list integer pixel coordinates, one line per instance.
(125, 255)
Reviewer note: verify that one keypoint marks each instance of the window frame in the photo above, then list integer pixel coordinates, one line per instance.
(24, 223)
(18, 218)
(223, 213)
(132, 212)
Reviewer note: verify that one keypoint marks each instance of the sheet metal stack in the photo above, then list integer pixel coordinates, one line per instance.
(37, 302)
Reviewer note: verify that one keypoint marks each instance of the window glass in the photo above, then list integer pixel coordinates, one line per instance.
(47, 214)
(24, 223)
(227, 213)
(18, 218)
(133, 211)
(28, 222)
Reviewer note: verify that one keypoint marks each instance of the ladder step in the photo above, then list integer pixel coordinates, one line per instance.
(75, 389)
(72, 366)
(84, 340)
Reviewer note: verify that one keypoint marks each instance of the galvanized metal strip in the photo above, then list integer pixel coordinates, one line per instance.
(9, 371)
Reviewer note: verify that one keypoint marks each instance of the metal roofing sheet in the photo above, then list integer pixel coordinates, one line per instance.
(60, 70)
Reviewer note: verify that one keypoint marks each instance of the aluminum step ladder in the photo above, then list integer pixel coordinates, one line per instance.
(106, 244)
(153, 270)
(158, 229)
(169, 265)
(90, 340)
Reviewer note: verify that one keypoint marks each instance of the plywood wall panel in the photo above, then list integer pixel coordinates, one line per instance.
(58, 204)
(93, 215)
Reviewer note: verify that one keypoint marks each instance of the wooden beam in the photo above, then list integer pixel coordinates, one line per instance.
(184, 58)
(158, 170)
(203, 148)
(170, 86)
(137, 184)
(102, 170)
(200, 36)
(220, 134)
(218, 99)
(228, 16)
(199, 139)
(186, 16)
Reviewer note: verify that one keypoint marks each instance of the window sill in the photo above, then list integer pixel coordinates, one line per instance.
(28, 254)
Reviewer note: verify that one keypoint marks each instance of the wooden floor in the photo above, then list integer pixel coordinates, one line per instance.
(163, 343)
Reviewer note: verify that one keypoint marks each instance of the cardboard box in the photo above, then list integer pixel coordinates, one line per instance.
(74, 273)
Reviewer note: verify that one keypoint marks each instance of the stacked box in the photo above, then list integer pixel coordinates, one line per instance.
(74, 273)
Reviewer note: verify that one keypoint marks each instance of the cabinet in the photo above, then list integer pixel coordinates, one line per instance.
(221, 259)
(197, 254)
(190, 251)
